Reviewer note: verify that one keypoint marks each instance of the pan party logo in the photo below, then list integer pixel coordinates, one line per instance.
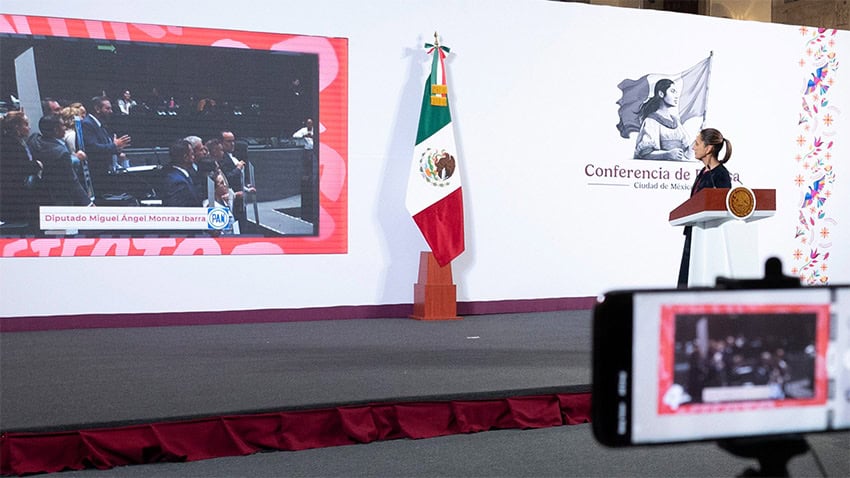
(437, 167)
(218, 218)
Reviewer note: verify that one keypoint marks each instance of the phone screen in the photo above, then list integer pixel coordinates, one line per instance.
(711, 364)
(703, 364)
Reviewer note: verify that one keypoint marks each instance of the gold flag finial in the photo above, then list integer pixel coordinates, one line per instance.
(439, 91)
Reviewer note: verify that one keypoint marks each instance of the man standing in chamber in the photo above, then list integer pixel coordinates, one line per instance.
(103, 149)
(662, 135)
(714, 174)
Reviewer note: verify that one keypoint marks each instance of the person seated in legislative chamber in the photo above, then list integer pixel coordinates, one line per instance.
(70, 115)
(232, 166)
(706, 148)
(224, 197)
(201, 166)
(178, 189)
(103, 148)
(662, 135)
(50, 106)
(73, 115)
(126, 103)
(216, 154)
(20, 173)
(234, 170)
(61, 185)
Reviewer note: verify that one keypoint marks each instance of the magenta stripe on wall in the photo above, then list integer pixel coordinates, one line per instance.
(386, 311)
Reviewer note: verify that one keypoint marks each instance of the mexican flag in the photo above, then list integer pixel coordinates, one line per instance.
(434, 195)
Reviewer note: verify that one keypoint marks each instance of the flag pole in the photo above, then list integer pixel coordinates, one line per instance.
(707, 87)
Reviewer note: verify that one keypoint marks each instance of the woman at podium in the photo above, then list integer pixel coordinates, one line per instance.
(706, 148)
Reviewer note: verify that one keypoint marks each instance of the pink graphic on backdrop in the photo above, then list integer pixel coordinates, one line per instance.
(70, 246)
(43, 247)
(328, 62)
(327, 227)
(95, 29)
(5, 26)
(21, 25)
(121, 31)
(228, 43)
(154, 246)
(58, 27)
(333, 172)
(256, 248)
(112, 247)
(15, 247)
(197, 247)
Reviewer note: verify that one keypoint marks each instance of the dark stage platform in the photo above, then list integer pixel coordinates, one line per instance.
(61, 379)
(82, 379)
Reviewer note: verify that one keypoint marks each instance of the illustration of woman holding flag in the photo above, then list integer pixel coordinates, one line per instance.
(662, 135)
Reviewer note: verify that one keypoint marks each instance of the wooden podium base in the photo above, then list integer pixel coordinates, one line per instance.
(434, 295)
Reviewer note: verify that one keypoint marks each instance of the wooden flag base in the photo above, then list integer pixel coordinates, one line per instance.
(434, 296)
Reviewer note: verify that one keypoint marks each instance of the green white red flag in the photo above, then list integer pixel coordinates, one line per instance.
(434, 194)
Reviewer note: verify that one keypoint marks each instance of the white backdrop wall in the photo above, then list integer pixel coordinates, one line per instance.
(533, 91)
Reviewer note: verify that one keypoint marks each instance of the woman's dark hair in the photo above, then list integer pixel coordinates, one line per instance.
(651, 105)
(714, 138)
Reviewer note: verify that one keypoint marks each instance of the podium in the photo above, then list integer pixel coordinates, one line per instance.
(723, 240)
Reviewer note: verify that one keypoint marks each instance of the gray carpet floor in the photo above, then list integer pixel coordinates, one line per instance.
(566, 451)
(60, 379)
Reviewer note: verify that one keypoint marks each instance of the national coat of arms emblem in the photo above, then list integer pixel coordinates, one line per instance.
(437, 166)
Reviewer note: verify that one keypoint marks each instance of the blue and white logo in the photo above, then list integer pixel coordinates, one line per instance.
(218, 218)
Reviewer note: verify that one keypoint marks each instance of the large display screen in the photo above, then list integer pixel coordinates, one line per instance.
(186, 140)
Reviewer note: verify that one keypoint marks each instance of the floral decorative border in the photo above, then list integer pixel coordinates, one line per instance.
(815, 174)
